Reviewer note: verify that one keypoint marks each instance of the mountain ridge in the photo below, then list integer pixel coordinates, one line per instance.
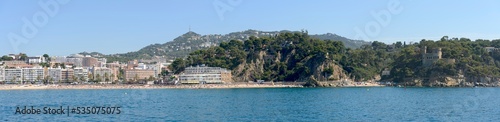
(191, 41)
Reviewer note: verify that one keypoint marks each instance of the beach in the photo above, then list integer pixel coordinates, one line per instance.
(140, 86)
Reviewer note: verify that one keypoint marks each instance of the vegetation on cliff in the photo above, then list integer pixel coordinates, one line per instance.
(297, 57)
(284, 57)
(471, 59)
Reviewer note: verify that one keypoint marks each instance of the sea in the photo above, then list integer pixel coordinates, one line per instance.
(254, 104)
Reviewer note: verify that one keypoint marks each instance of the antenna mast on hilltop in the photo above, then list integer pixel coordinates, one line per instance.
(189, 28)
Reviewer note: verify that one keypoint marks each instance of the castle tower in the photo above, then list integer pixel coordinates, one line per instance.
(424, 52)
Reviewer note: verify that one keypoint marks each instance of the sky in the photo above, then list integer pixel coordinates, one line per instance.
(63, 27)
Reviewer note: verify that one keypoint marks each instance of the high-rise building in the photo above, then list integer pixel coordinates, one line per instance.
(13, 75)
(54, 74)
(102, 73)
(89, 62)
(67, 75)
(81, 73)
(33, 74)
(2, 74)
(115, 69)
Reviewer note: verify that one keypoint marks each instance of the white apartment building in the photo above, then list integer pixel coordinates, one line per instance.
(33, 74)
(54, 74)
(2, 74)
(13, 75)
(81, 73)
(35, 60)
(203, 74)
(102, 72)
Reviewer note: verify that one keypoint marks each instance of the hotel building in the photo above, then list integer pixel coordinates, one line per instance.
(202, 74)
(138, 74)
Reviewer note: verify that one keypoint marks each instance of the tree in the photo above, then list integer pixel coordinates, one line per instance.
(92, 78)
(178, 65)
(14, 79)
(46, 80)
(164, 73)
(6, 58)
(106, 77)
(136, 77)
(47, 58)
(63, 66)
(82, 78)
(23, 57)
(398, 44)
(23, 79)
(151, 78)
(378, 45)
(112, 77)
(75, 79)
(98, 78)
(38, 78)
(51, 79)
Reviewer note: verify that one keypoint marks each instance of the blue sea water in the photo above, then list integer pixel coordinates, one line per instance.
(270, 104)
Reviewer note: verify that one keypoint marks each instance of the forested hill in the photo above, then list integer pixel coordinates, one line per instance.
(299, 57)
(191, 41)
(349, 43)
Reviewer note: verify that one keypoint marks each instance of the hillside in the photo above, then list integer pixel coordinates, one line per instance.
(299, 57)
(191, 41)
(285, 57)
(349, 43)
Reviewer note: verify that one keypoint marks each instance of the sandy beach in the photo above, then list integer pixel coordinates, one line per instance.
(182, 86)
(137, 86)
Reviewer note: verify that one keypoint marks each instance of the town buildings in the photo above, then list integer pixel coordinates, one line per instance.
(13, 75)
(89, 61)
(2, 73)
(138, 74)
(67, 75)
(35, 60)
(76, 68)
(14, 64)
(81, 74)
(102, 74)
(54, 74)
(33, 74)
(115, 69)
(140, 71)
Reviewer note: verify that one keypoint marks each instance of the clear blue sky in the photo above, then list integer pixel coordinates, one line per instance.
(119, 26)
